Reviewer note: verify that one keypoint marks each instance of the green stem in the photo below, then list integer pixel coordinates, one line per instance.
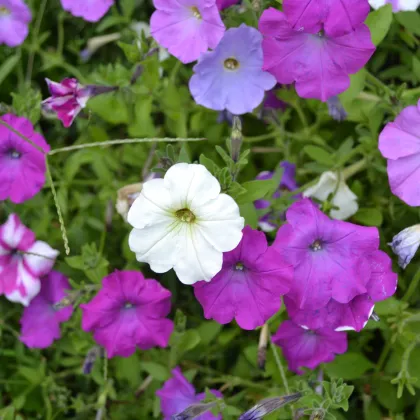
(373, 80)
(280, 366)
(60, 37)
(301, 114)
(411, 92)
(38, 22)
(383, 356)
(262, 137)
(413, 286)
(353, 169)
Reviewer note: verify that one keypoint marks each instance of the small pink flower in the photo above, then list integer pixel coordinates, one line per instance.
(90, 10)
(40, 320)
(128, 312)
(23, 261)
(15, 16)
(22, 165)
(67, 99)
(187, 28)
(308, 348)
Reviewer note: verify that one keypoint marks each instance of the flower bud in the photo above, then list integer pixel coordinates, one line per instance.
(125, 198)
(405, 244)
(336, 109)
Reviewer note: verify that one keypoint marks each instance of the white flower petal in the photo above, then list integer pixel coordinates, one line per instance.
(376, 4)
(30, 283)
(151, 206)
(324, 187)
(37, 264)
(13, 231)
(198, 260)
(408, 5)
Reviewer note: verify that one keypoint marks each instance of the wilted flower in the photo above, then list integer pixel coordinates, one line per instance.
(303, 347)
(183, 222)
(187, 28)
(405, 244)
(220, 75)
(329, 256)
(249, 286)
(125, 198)
(15, 16)
(397, 5)
(336, 109)
(23, 261)
(354, 314)
(399, 142)
(316, 45)
(342, 196)
(91, 10)
(128, 312)
(22, 165)
(177, 394)
(40, 320)
(69, 97)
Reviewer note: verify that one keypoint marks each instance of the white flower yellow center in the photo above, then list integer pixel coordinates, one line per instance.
(185, 215)
(196, 13)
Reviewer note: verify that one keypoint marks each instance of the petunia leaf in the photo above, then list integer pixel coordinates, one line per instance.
(379, 23)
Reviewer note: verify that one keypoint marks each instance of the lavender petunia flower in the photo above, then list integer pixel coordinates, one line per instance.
(308, 348)
(40, 320)
(269, 222)
(399, 142)
(405, 244)
(329, 256)
(177, 394)
(221, 75)
(316, 46)
(90, 10)
(128, 312)
(355, 314)
(249, 286)
(22, 165)
(23, 261)
(397, 5)
(15, 16)
(187, 28)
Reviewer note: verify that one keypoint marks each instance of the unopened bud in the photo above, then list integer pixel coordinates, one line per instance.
(91, 357)
(262, 347)
(125, 198)
(195, 410)
(236, 138)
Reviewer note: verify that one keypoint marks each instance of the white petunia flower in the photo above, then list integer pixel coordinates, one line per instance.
(397, 5)
(183, 222)
(344, 198)
(405, 244)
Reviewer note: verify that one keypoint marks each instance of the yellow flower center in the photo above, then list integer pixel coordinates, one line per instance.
(316, 246)
(196, 13)
(231, 63)
(185, 215)
(4, 11)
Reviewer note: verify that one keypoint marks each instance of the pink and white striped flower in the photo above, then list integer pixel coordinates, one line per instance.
(23, 261)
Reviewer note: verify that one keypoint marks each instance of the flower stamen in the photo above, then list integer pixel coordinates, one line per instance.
(185, 215)
(239, 266)
(14, 154)
(196, 13)
(4, 11)
(316, 246)
(231, 63)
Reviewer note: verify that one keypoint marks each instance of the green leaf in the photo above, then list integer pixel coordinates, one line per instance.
(156, 370)
(131, 52)
(379, 22)
(320, 155)
(369, 217)
(255, 190)
(189, 340)
(7, 67)
(209, 164)
(249, 213)
(348, 366)
(410, 21)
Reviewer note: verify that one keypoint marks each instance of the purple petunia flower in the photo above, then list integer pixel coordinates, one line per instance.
(355, 314)
(23, 261)
(308, 348)
(249, 286)
(328, 256)
(128, 312)
(220, 75)
(40, 320)
(90, 10)
(399, 142)
(315, 45)
(187, 28)
(269, 222)
(15, 16)
(177, 394)
(22, 165)
(223, 4)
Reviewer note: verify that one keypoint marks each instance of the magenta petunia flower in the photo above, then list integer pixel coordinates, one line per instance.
(308, 348)
(22, 166)
(177, 394)
(128, 312)
(223, 4)
(187, 28)
(329, 256)
(249, 286)
(15, 16)
(270, 221)
(220, 75)
(399, 142)
(90, 10)
(316, 47)
(23, 261)
(353, 315)
(40, 320)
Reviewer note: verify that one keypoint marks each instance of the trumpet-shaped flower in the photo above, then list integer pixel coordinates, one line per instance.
(249, 286)
(342, 196)
(183, 222)
(23, 261)
(187, 28)
(129, 312)
(90, 10)
(399, 142)
(15, 16)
